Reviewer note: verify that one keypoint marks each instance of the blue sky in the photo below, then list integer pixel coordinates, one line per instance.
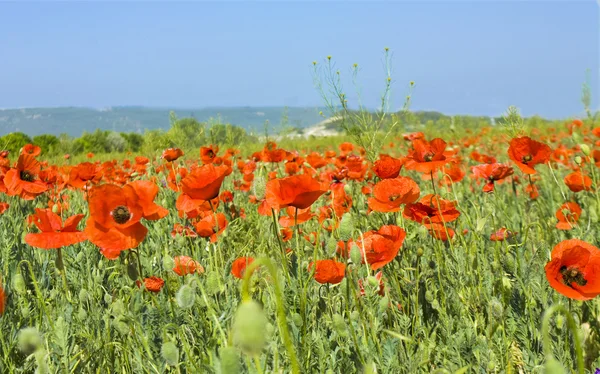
(474, 57)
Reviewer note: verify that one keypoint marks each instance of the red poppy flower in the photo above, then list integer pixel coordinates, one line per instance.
(299, 191)
(426, 157)
(2, 299)
(179, 229)
(85, 173)
(328, 271)
(574, 269)
(389, 194)
(568, 215)
(186, 265)
(292, 218)
(413, 136)
(379, 247)
(53, 234)
(211, 227)
(431, 209)
(492, 173)
(387, 167)
(110, 254)
(316, 161)
(226, 196)
(440, 231)
(577, 181)
(171, 154)
(526, 153)
(23, 181)
(154, 284)
(115, 214)
(239, 266)
(208, 154)
(502, 235)
(31, 149)
(204, 183)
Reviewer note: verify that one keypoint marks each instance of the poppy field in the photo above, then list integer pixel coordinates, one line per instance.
(473, 251)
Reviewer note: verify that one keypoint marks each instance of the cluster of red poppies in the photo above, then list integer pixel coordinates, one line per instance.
(120, 195)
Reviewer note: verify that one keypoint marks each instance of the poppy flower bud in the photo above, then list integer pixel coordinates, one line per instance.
(348, 189)
(107, 298)
(29, 340)
(249, 328)
(331, 245)
(132, 270)
(19, 284)
(81, 314)
(170, 353)
(355, 254)
(420, 252)
(230, 360)
(84, 296)
(167, 262)
(552, 366)
(496, 309)
(585, 149)
(429, 296)
(297, 319)
(374, 282)
(55, 209)
(25, 311)
(578, 160)
(212, 283)
(339, 325)
(186, 296)
(384, 302)
(346, 227)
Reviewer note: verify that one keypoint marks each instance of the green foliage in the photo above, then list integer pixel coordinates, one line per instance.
(50, 144)
(14, 141)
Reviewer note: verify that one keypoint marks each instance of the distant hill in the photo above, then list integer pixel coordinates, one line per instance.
(74, 120)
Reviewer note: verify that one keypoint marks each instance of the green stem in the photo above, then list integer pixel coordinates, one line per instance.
(570, 325)
(281, 317)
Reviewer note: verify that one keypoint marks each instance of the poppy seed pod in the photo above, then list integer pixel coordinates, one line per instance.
(249, 328)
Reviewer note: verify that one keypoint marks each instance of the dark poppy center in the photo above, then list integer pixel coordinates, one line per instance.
(27, 176)
(211, 154)
(121, 214)
(572, 275)
(428, 156)
(393, 198)
(526, 158)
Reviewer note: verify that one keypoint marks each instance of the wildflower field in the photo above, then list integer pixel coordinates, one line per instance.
(441, 251)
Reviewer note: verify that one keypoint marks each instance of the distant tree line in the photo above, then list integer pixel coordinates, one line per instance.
(185, 133)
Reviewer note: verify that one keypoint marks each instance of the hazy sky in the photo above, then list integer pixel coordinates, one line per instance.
(474, 57)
